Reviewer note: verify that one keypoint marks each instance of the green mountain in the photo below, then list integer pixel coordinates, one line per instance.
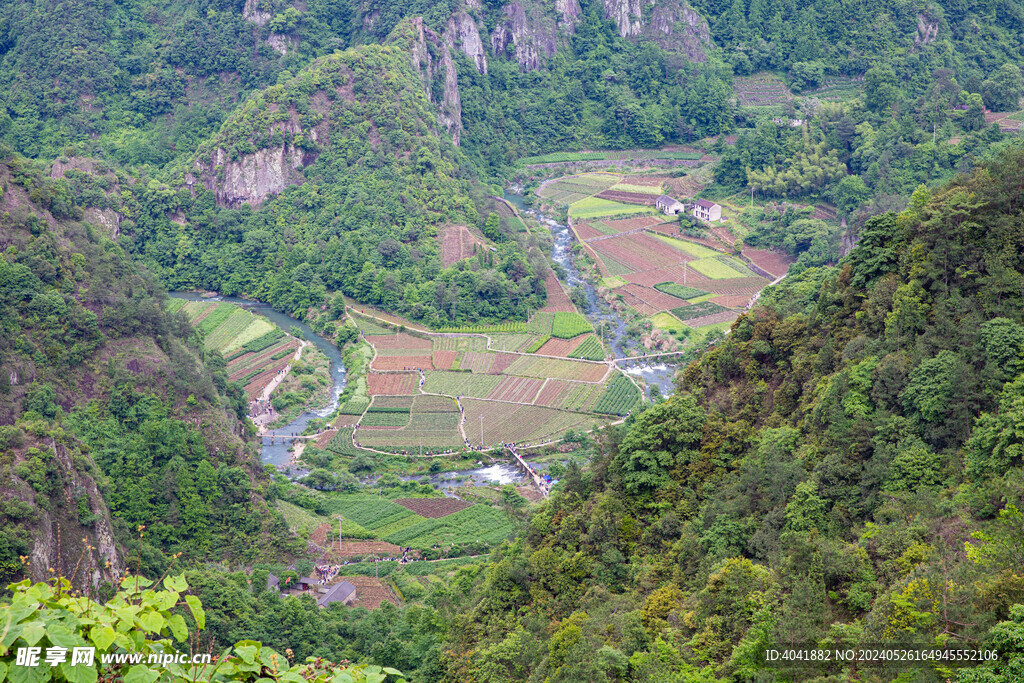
(113, 416)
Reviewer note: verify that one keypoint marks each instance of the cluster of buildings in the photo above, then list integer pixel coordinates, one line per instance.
(343, 591)
(702, 209)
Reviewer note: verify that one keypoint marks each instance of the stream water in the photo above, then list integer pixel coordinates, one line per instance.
(274, 450)
(606, 321)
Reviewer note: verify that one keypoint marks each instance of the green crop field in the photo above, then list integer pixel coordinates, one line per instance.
(476, 523)
(368, 326)
(613, 282)
(368, 511)
(397, 419)
(460, 383)
(642, 189)
(568, 325)
(174, 305)
(679, 291)
(668, 322)
(581, 397)
(695, 250)
(342, 444)
(620, 396)
(591, 207)
(589, 349)
(698, 310)
(715, 269)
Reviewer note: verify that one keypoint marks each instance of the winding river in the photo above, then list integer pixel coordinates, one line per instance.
(275, 449)
(607, 322)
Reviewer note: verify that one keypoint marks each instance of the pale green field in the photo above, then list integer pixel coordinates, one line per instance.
(257, 328)
(299, 518)
(592, 207)
(666, 321)
(714, 269)
(693, 249)
(613, 282)
(643, 189)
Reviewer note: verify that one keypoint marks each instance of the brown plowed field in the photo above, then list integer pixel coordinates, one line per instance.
(725, 316)
(636, 303)
(243, 365)
(352, 547)
(660, 300)
(558, 300)
(641, 252)
(457, 243)
(402, 363)
(772, 262)
(444, 359)
(731, 300)
(433, 508)
(516, 389)
(560, 347)
(641, 198)
(370, 592)
(324, 438)
(399, 383)
(748, 286)
(586, 232)
(624, 224)
(255, 387)
(650, 278)
(389, 342)
(552, 392)
(673, 231)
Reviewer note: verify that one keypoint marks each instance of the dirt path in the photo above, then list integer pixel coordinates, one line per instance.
(274, 383)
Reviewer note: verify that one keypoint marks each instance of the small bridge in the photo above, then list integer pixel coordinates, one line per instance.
(538, 481)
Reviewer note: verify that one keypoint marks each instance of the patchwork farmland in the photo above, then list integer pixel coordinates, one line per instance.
(255, 349)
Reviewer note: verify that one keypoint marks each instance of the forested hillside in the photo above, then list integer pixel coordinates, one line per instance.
(845, 468)
(113, 417)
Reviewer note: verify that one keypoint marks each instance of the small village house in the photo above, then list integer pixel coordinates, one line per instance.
(343, 592)
(669, 206)
(707, 211)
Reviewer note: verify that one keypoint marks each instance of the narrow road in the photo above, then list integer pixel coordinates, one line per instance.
(538, 481)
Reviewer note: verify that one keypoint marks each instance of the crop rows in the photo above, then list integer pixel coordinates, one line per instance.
(385, 419)
(640, 198)
(388, 363)
(631, 186)
(592, 207)
(626, 155)
(726, 316)
(715, 269)
(518, 422)
(590, 349)
(222, 337)
(342, 443)
(174, 305)
(482, 329)
(640, 252)
(735, 286)
(697, 310)
(392, 383)
(393, 402)
(679, 291)
(586, 232)
(247, 362)
(559, 347)
(434, 508)
(443, 360)
(568, 325)
(516, 389)
(401, 342)
(476, 523)
(533, 366)
(516, 342)
(460, 383)
(264, 341)
(558, 300)
(214, 318)
(370, 512)
(620, 396)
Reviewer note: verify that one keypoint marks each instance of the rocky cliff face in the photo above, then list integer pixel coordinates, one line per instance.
(527, 32)
(438, 74)
(673, 24)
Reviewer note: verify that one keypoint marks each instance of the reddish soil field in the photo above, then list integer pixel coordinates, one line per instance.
(652, 297)
(673, 231)
(350, 548)
(725, 316)
(585, 232)
(530, 493)
(552, 392)
(628, 197)
(433, 508)
(558, 300)
(732, 301)
(399, 383)
(723, 234)
(255, 387)
(650, 278)
(748, 286)
(444, 359)
(516, 389)
(402, 363)
(638, 305)
(560, 347)
(401, 341)
(324, 438)
(370, 592)
(641, 252)
(624, 224)
(457, 243)
(243, 365)
(768, 261)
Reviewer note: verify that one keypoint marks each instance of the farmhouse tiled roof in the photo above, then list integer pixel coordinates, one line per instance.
(705, 204)
(339, 592)
(665, 199)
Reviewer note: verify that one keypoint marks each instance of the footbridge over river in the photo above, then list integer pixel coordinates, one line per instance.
(538, 481)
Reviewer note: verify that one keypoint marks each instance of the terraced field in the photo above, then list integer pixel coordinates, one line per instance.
(513, 422)
(256, 349)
